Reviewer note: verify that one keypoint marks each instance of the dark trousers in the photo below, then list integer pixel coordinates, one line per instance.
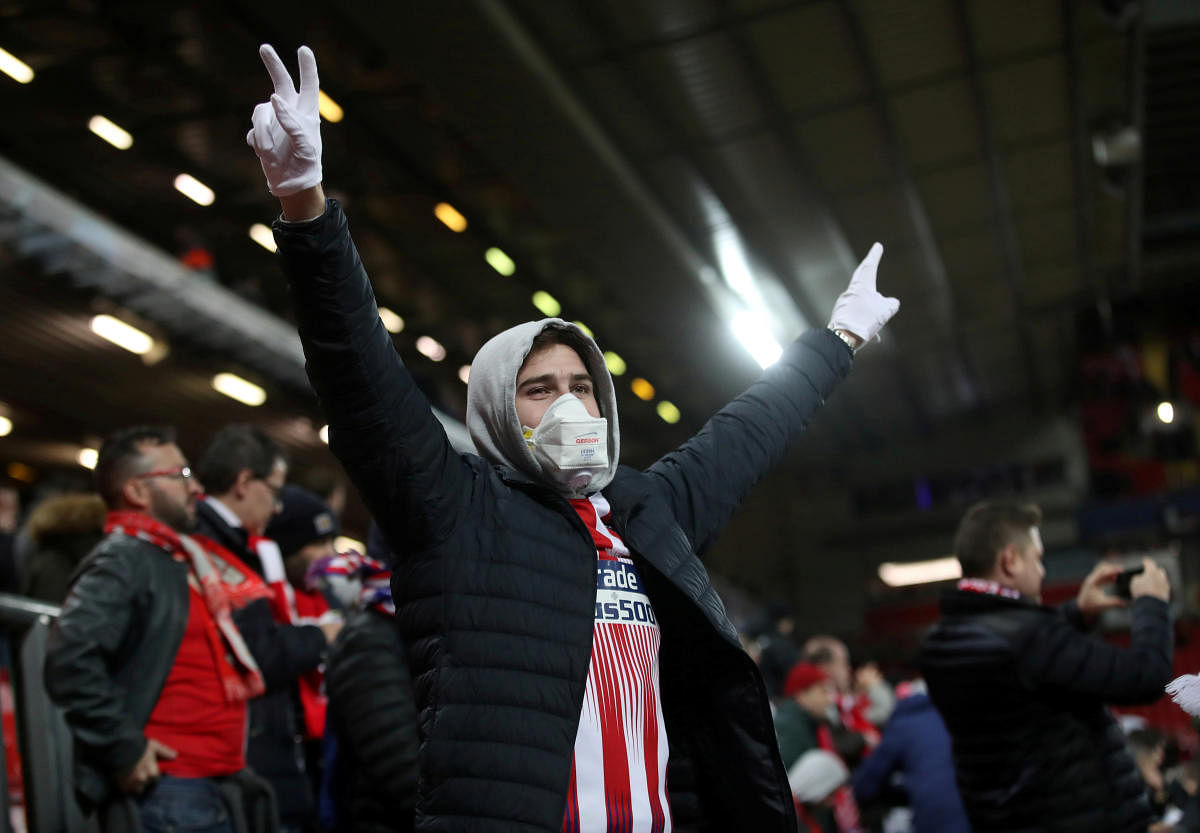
(176, 805)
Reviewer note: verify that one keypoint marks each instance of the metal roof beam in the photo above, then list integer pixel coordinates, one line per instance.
(917, 213)
(1081, 160)
(1135, 184)
(780, 124)
(142, 275)
(1014, 270)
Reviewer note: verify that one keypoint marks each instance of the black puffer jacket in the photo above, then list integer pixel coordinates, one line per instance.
(1023, 693)
(373, 715)
(109, 653)
(275, 743)
(496, 585)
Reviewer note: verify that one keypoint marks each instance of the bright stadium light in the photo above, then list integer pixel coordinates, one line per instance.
(755, 335)
(114, 134)
(235, 387)
(262, 235)
(194, 189)
(920, 572)
(121, 334)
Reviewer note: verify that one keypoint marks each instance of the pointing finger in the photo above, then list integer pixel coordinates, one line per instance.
(280, 77)
(864, 275)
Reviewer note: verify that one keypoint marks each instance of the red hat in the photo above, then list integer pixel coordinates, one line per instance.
(803, 676)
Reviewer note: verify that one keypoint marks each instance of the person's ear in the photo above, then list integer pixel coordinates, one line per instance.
(136, 494)
(1008, 561)
(242, 483)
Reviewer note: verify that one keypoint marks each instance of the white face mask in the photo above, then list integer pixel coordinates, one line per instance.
(570, 444)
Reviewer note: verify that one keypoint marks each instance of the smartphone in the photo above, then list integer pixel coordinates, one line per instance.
(1121, 585)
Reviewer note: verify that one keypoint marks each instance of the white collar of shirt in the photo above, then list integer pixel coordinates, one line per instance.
(224, 511)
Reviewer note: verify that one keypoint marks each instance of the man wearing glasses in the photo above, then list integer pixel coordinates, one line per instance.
(243, 471)
(146, 660)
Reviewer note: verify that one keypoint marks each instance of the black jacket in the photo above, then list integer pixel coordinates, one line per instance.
(374, 718)
(109, 653)
(275, 744)
(1023, 691)
(496, 582)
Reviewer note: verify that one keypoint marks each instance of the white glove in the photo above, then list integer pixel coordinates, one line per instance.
(287, 130)
(861, 310)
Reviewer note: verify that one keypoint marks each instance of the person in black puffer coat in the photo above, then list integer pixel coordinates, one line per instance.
(371, 783)
(1023, 690)
(559, 623)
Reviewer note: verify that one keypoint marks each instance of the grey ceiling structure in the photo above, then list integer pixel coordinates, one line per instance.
(659, 167)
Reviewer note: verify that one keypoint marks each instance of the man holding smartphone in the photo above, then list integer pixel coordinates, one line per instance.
(1024, 690)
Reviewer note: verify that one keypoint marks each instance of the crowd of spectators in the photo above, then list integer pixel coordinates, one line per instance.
(335, 732)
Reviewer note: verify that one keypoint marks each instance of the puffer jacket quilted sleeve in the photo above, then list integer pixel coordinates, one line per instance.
(1058, 657)
(380, 425)
(707, 477)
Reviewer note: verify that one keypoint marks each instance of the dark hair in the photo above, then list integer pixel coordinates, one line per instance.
(558, 334)
(849, 745)
(121, 457)
(989, 527)
(818, 656)
(1144, 741)
(231, 451)
(322, 480)
(822, 649)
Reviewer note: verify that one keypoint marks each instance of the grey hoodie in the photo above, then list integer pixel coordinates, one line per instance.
(492, 410)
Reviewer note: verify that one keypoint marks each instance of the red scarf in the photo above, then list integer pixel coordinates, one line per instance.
(845, 808)
(291, 606)
(222, 581)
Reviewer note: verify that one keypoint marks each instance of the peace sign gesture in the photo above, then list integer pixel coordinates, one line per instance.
(286, 132)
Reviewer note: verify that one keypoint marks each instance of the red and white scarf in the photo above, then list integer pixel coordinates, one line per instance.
(988, 588)
(222, 581)
(292, 606)
(354, 580)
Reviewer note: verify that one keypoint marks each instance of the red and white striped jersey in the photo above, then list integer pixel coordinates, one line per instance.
(619, 775)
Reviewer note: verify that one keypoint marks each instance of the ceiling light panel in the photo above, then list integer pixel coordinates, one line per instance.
(15, 68)
(110, 132)
(194, 189)
(235, 387)
(121, 334)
